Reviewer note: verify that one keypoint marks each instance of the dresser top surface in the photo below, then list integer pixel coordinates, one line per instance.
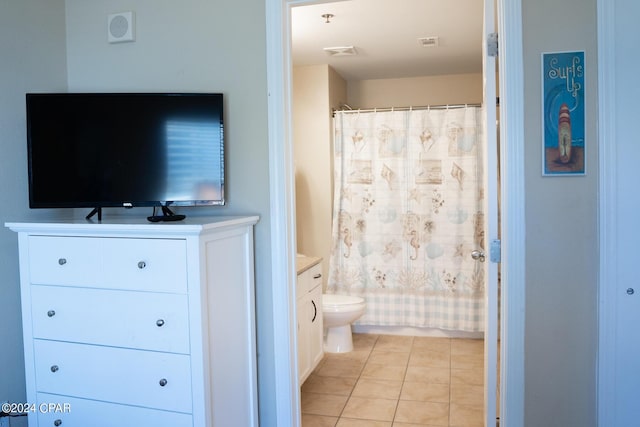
(190, 225)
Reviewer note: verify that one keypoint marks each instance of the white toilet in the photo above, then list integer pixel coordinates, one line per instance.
(338, 312)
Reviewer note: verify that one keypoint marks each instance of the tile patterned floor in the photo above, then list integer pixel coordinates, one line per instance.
(397, 381)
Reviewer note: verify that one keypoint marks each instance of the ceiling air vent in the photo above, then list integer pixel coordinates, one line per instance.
(341, 51)
(428, 41)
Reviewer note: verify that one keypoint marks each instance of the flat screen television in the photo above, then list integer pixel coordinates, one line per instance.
(99, 150)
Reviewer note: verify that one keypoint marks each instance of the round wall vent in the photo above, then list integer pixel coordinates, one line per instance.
(120, 27)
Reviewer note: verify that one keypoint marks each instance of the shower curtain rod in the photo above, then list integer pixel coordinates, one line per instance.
(348, 109)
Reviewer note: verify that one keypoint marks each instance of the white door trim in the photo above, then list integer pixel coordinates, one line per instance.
(490, 206)
(607, 201)
(512, 190)
(282, 210)
(287, 410)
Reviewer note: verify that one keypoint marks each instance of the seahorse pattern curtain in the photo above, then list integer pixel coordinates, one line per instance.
(407, 214)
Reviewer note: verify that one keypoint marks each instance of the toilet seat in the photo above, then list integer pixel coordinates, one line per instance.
(340, 303)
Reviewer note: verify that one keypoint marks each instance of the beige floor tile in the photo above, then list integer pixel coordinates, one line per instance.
(466, 416)
(467, 395)
(397, 424)
(383, 372)
(425, 392)
(427, 375)
(349, 422)
(432, 343)
(391, 358)
(318, 421)
(380, 389)
(433, 358)
(358, 355)
(467, 346)
(467, 361)
(333, 367)
(421, 381)
(429, 413)
(364, 341)
(467, 376)
(393, 343)
(322, 404)
(370, 409)
(329, 385)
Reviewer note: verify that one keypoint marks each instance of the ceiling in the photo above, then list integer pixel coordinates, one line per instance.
(385, 36)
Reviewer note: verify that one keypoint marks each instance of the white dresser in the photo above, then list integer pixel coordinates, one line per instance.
(130, 323)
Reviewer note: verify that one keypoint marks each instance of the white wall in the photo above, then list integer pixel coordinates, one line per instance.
(416, 91)
(190, 46)
(561, 225)
(32, 48)
(316, 90)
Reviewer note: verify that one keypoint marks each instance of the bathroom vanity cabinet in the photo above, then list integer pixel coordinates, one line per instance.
(309, 315)
(132, 323)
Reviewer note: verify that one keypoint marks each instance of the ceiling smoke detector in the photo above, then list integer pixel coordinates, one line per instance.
(428, 41)
(341, 51)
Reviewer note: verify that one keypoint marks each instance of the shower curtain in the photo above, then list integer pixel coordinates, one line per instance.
(408, 190)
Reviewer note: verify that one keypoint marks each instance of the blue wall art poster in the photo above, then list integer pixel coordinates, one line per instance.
(563, 113)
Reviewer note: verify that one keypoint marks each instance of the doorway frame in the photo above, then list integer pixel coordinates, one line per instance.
(282, 210)
(606, 390)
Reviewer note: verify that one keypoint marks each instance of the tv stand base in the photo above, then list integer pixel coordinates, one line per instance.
(93, 212)
(158, 218)
(167, 215)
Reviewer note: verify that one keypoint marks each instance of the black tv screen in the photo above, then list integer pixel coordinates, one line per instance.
(125, 149)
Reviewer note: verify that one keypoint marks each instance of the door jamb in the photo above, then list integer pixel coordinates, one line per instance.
(282, 209)
(607, 222)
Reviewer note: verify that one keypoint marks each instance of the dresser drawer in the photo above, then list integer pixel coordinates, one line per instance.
(72, 412)
(114, 263)
(136, 377)
(143, 320)
(158, 265)
(74, 261)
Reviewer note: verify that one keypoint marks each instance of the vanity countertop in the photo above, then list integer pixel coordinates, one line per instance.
(304, 262)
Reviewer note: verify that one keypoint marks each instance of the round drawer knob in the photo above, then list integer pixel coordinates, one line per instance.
(51, 313)
(57, 423)
(54, 368)
(159, 323)
(62, 261)
(162, 382)
(142, 265)
(630, 291)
